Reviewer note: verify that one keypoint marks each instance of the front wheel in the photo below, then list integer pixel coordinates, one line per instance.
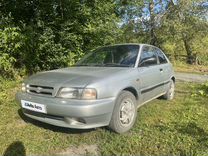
(125, 112)
(169, 95)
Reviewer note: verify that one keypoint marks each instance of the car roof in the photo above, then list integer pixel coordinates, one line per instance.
(139, 44)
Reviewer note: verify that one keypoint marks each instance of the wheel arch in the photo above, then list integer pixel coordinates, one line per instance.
(133, 91)
(173, 78)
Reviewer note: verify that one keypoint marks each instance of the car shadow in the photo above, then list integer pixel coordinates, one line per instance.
(52, 127)
(194, 131)
(191, 129)
(14, 149)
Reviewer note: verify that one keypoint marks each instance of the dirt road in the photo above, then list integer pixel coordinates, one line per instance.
(189, 77)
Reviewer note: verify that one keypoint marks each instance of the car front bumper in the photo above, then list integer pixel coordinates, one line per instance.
(81, 114)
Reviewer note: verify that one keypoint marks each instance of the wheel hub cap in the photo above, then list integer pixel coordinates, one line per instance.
(127, 112)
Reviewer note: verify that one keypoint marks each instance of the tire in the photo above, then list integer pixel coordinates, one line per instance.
(169, 95)
(124, 113)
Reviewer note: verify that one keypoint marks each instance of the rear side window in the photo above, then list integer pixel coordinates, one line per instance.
(161, 57)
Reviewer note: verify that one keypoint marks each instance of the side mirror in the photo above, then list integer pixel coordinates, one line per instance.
(148, 61)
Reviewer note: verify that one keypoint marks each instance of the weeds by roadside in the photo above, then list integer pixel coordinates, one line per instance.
(201, 90)
(188, 68)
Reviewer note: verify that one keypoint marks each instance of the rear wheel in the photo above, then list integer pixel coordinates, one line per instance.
(169, 95)
(124, 114)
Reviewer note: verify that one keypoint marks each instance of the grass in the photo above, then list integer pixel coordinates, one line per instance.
(188, 68)
(177, 127)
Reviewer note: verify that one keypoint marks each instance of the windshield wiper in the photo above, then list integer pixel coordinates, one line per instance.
(91, 65)
(77, 65)
(103, 65)
(116, 65)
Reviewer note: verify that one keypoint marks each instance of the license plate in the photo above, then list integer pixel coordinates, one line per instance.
(33, 106)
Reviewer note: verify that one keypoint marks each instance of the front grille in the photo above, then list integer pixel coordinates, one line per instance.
(40, 90)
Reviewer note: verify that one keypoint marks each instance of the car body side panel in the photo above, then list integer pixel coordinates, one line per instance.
(150, 82)
(112, 86)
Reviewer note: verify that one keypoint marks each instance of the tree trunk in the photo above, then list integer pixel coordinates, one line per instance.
(153, 38)
(188, 51)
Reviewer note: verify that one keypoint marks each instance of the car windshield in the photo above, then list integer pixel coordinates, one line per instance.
(112, 56)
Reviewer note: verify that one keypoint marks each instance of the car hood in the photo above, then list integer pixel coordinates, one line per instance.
(73, 76)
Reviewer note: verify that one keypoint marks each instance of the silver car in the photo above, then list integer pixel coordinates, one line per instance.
(105, 88)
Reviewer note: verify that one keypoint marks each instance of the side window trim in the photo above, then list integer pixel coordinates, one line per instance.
(139, 60)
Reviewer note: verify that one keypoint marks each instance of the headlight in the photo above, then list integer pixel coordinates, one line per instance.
(71, 93)
(78, 93)
(23, 87)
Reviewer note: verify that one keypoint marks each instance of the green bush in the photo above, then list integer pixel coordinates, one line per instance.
(50, 55)
(11, 43)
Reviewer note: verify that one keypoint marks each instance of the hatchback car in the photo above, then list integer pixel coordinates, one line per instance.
(105, 88)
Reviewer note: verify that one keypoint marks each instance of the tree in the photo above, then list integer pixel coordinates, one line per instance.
(186, 22)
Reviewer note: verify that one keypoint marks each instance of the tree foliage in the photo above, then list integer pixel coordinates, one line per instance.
(179, 27)
(56, 33)
(43, 35)
(186, 23)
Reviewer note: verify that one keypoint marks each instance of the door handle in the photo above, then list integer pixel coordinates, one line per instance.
(161, 70)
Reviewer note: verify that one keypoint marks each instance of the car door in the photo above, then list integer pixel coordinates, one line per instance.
(165, 68)
(149, 74)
